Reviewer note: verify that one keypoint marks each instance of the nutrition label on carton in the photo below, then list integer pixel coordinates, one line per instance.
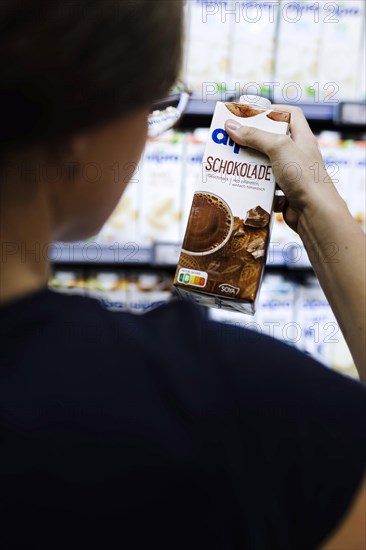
(228, 228)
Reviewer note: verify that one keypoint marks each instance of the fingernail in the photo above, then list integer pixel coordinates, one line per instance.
(232, 125)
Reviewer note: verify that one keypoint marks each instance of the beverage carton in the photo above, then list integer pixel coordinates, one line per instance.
(252, 57)
(339, 69)
(121, 227)
(208, 47)
(160, 191)
(226, 240)
(297, 53)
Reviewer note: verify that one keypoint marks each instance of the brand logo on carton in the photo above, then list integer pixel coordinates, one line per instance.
(229, 289)
(159, 157)
(315, 303)
(222, 138)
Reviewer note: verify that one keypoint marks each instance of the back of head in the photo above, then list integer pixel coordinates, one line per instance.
(69, 66)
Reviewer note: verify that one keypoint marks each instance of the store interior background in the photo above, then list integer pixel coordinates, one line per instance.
(315, 53)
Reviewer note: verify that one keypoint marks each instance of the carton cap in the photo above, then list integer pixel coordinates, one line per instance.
(255, 100)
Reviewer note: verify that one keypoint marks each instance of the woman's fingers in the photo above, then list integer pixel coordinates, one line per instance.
(265, 142)
(299, 127)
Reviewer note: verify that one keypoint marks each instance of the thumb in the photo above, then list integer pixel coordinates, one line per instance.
(265, 142)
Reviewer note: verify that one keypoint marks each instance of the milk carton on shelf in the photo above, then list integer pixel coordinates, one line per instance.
(286, 246)
(146, 291)
(342, 29)
(208, 46)
(252, 55)
(337, 156)
(357, 200)
(319, 329)
(228, 231)
(298, 45)
(160, 192)
(276, 309)
(67, 281)
(110, 288)
(121, 227)
(361, 88)
(185, 40)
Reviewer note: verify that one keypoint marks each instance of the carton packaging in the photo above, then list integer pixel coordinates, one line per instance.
(146, 291)
(160, 190)
(208, 48)
(339, 69)
(228, 231)
(252, 57)
(110, 288)
(121, 227)
(69, 282)
(298, 47)
(338, 162)
(357, 203)
(275, 313)
(319, 328)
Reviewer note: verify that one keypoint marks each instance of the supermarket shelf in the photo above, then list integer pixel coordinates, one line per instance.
(341, 113)
(159, 255)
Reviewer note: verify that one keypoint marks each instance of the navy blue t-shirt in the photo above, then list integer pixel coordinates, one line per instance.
(167, 431)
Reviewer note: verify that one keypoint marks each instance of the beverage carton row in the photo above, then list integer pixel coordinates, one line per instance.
(297, 51)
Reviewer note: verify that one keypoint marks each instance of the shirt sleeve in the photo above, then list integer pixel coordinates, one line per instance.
(294, 439)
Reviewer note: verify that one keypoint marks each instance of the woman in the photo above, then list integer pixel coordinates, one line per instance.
(163, 430)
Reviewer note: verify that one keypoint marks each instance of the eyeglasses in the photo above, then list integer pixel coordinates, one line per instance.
(168, 112)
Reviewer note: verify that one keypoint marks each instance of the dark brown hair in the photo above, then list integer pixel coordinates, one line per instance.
(66, 66)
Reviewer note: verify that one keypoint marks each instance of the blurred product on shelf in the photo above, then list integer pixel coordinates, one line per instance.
(297, 52)
(156, 204)
(207, 48)
(345, 161)
(357, 200)
(160, 189)
(70, 281)
(362, 64)
(300, 51)
(252, 47)
(111, 289)
(337, 156)
(341, 49)
(147, 291)
(124, 218)
(117, 291)
(299, 315)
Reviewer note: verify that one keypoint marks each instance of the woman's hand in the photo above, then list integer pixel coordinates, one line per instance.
(333, 240)
(297, 163)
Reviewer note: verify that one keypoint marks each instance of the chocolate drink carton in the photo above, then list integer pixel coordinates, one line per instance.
(226, 240)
